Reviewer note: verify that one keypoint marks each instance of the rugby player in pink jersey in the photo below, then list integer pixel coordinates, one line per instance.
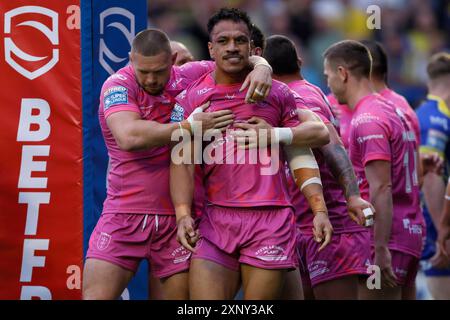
(333, 272)
(382, 153)
(138, 218)
(248, 229)
(378, 79)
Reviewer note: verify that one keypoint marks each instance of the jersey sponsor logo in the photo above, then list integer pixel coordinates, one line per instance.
(103, 241)
(177, 114)
(176, 82)
(412, 228)
(437, 139)
(115, 96)
(364, 118)
(180, 254)
(203, 91)
(28, 65)
(108, 60)
(271, 253)
(439, 121)
(117, 76)
(317, 268)
(369, 137)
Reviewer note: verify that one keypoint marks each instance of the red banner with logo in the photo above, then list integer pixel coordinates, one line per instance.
(41, 189)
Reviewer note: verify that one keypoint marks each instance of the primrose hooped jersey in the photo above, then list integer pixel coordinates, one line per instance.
(434, 118)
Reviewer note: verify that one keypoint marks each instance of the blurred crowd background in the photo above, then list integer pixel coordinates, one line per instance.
(410, 30)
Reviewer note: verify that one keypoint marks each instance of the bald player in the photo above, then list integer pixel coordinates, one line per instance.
(183, 53)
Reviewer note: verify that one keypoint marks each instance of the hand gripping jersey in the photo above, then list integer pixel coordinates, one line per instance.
(231, 178)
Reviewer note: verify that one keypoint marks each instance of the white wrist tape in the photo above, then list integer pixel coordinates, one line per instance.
(300, 158)
(311, 181)
(447, 197)
(283, 135)
(195, 124)
(368, 214)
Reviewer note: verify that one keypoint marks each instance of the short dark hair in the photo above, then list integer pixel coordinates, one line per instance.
(438, 65)
(232, 14)
(379, 59)
(282, 55)
(151, 42)
(351, 54)
(257, 37)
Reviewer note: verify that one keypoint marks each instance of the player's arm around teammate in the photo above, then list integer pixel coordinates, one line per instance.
(133, 133)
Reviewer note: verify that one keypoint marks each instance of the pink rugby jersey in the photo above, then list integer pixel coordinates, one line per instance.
(378, 133)
(138, 181)
(401, 103)
(230, 178)
(309, 96)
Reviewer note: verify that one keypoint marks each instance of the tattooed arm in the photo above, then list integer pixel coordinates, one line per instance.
(342, 169)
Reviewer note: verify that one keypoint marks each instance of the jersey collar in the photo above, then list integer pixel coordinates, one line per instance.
(442, 106)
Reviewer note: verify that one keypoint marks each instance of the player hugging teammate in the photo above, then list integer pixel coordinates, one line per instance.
(225, 179)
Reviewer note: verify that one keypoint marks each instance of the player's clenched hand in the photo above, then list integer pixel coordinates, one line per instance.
(441, 259)
(256, 132)
(259, 82)
(355, 206)
(383, 259)
(186, 234)
(431, 162)
(322, 230)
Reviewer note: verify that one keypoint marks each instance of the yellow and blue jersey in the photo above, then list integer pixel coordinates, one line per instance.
(434, 119)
